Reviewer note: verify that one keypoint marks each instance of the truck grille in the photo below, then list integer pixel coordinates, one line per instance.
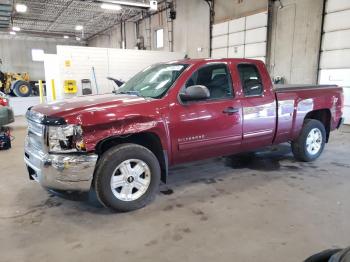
(35, 136)
(35, 128)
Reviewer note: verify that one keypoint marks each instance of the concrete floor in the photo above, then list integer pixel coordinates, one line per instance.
(269, 208)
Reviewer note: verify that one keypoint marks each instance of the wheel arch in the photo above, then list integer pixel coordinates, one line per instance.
(149, 140)
(322, 115)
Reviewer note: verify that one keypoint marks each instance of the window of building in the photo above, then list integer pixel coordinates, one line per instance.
(160, 38)
(38, 55)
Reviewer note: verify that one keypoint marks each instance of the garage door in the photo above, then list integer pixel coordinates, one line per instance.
(335, 51)
(241, 38)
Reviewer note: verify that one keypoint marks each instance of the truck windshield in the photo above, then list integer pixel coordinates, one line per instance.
(153, 81)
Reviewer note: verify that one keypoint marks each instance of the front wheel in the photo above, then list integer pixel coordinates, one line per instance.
(311, 141)
(127, 177)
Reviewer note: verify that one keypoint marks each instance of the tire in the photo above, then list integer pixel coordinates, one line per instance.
(323, 256)
(341, 256)
(21, 88)
(131, 191)
(317, 132)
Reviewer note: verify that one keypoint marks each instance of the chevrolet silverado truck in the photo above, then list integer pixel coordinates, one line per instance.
(121, 145)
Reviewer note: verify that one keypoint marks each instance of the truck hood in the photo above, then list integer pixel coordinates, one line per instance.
(86, 104)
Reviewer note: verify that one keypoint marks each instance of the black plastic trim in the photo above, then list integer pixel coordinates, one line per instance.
(164, 177)
(43, 119)
(53, 121)
(341, 122)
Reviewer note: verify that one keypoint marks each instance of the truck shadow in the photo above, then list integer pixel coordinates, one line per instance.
(88, 198)
(267, 161)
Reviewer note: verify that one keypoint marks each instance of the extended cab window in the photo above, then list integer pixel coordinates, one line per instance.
(216, 78)
(250, 79)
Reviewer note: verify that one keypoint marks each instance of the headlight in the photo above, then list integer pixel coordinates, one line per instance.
(65, 139)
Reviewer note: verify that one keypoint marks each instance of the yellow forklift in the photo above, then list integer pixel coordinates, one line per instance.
(16, 84)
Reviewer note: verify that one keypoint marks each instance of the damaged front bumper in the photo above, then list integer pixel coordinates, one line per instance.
(72, 172)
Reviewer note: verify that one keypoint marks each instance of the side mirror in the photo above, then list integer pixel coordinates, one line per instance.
(116, 81)
(196, 92)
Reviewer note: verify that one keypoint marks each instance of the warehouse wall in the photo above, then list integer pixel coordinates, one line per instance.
(112, 37)
(16, 54)
(229, 9)
(192, 37)
(191, 30)
(295, 40)
(335, 55)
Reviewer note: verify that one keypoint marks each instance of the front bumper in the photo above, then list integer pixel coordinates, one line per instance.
(72, 172)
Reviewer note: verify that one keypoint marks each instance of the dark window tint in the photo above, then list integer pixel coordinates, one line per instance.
(216, 78)
(250, 79)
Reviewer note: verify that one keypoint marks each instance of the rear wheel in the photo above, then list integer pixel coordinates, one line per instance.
(311, 141)
(127, 177)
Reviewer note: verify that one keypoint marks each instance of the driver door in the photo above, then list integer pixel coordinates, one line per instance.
(210, 127)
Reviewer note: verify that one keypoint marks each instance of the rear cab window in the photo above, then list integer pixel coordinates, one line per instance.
(250, 79)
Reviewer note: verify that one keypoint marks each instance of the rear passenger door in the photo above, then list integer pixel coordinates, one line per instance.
(259, 107)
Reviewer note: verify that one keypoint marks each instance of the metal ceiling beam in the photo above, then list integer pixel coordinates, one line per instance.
(60, 17)
(126, 3)
(39, 32)
(7, 8)
(23, 20)
(5, 13)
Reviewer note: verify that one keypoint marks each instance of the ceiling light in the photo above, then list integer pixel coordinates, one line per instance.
(21, 8)
(66, 37)
(111, 7)
(16, 28)
(12, 33)
(79, 27)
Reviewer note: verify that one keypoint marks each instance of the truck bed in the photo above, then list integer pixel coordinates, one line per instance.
(295, 102)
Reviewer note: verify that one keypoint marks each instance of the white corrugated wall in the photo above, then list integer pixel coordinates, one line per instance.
(335, 50)
(244, 37)
(118, 63)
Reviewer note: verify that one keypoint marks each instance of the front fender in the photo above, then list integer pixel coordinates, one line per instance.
(124, 127)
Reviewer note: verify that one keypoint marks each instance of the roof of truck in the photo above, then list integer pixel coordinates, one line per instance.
(201, 60)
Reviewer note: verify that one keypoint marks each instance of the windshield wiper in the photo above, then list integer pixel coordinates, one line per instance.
(134, 93)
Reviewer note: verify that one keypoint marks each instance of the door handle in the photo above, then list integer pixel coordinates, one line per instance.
(231, 110)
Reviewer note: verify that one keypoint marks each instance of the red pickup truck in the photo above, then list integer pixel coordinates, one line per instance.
(121, 145)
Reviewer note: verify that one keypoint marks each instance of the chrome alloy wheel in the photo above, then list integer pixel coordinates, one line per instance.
(314, 141)
(130, 180)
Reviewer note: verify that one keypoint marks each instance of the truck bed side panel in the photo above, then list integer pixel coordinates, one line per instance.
(305, 101)
(285, 116)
